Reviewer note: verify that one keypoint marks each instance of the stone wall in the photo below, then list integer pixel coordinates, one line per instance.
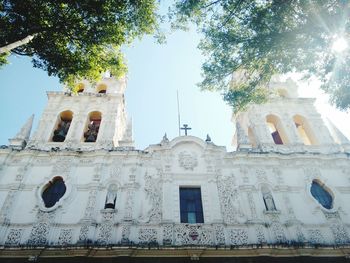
(147, 208)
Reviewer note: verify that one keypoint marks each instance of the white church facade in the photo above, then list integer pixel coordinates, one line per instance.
(77, 190)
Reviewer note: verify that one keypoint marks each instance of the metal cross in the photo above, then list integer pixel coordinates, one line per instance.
(185, 127)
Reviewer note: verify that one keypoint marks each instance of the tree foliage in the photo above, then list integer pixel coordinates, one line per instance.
(266, 37)
(77, 38)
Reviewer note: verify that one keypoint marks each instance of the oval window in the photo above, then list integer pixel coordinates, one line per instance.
(321, 195)
(53, 192)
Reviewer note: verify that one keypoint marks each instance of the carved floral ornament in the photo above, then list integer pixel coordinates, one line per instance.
(188, 160)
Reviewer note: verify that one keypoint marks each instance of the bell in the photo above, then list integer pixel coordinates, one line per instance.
(59, 135)
(90, 138)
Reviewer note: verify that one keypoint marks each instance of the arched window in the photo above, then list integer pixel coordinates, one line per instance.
(93, 127)
(111, 197)
(304, 130)
(322, 196)
(275, 127)
(80, 87)
(62, 126)
(53, 192)
(101, 88)
(268, 199)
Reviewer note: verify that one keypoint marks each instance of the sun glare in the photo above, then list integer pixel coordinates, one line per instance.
(339, 44)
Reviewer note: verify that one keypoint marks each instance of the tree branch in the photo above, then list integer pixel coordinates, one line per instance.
(16, 44)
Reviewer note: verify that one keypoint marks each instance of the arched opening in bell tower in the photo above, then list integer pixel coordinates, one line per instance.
(80, 87)
(101, 88)
(304, 131)
(92, 126)
(62, 126)
(276, 129)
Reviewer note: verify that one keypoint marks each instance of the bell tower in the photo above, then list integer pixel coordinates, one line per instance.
(91, 119)
(286, 124)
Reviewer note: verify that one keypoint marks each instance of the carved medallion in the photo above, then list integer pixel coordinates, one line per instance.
(188, 160)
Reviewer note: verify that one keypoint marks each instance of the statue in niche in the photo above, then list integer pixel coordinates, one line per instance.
(61, 131)
(268, 199)
(111, 197)
(91, 134)
(269, 203)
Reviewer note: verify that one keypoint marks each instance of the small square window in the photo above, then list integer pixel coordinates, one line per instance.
(191, 205)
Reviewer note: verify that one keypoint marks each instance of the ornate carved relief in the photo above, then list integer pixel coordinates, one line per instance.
(129, 205)
(219, 235)
(84, 233)
(278, 174)
(7, 206)
(115, 171)
(108, 215)
(244, 171)
(105, 228)
(278, 232)
(251, 205)
(186, 234)
(299, 233)
(21, 172)
(125, 233)
(14, 237)
(132, 174)
(261, 175)
(168, 234)
(331, 215)
(337, 227)
(91, 204)
(40, 230)
(66, 237)
(312, 172)
(85, 160)
(229, 200)
(289, 207)
(259, 230)
(39, 233)
(238, 237)
(97, 171)
(208, 163)
(276, 228)
(154, 192)
(147, 235)
(340, 234)
(188, 160)
(315, 236)
(88, 216)
(105, 233)
(62, 167)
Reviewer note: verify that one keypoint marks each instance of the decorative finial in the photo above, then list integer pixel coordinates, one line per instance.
(208, 139)
(185, 127)
(165, 139)
(22, 137)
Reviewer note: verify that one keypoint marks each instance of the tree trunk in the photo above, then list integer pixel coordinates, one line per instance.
(16, 44)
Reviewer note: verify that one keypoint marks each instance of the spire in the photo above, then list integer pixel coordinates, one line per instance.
(127, 140)
(242, 138)
(338, 136)
(22, 137)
